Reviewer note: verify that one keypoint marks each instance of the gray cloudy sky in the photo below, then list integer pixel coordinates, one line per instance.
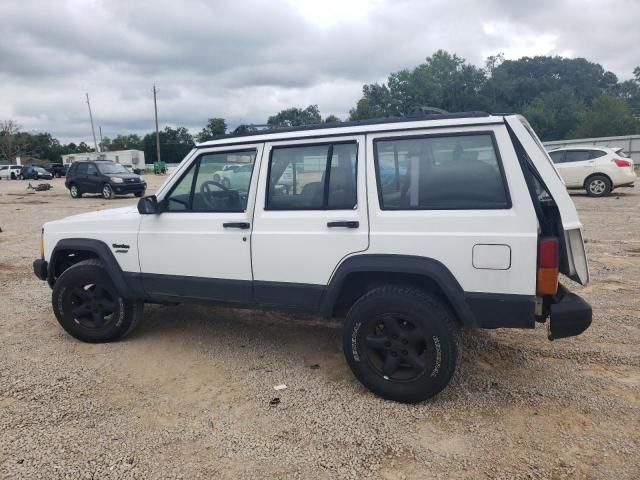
(245, 60)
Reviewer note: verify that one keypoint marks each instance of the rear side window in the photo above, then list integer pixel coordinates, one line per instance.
(597, 154)
(453, 172)
(576, 156)
(312, 177)
(81, 169)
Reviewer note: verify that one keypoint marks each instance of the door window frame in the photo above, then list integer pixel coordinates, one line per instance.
(194, 162)
(325, 186)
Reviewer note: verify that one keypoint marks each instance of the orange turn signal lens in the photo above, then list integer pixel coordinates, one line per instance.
(548, 266)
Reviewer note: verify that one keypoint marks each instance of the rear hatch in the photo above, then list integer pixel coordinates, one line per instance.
(574, 259)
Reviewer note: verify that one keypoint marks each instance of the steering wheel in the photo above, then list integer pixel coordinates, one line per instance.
(208, 194)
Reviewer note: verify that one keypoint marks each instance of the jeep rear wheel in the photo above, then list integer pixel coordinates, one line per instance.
(107, 192)
(89, 308)
(75, 191)
(401, 343)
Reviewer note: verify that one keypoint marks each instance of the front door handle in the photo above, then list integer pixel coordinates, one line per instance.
(344, 224)
(240, 225)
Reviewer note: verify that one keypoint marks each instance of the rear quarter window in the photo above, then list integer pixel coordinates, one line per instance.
(449, 172)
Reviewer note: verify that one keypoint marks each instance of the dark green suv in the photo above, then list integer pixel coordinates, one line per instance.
(104, 177)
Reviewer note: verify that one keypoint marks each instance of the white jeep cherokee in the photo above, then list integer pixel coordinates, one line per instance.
(410, 229)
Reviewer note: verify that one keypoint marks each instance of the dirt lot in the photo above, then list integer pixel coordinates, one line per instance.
(187, 395)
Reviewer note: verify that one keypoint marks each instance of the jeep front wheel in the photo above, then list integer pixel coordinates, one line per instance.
(401, 343)
(89, 308)
(75, 191)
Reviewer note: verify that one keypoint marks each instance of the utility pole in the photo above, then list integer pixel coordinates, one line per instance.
(155, 107)
(100, 130)
(93, 130)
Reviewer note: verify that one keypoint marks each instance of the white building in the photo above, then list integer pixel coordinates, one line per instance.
(135, 158)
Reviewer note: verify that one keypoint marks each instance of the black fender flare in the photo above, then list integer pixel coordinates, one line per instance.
(423, 266)
(104, 254)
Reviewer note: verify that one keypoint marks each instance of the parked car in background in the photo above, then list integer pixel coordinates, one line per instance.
(236, 176)
(56, 169)
(33, 172)
(104, 177)
(598, 170)
(10, 172)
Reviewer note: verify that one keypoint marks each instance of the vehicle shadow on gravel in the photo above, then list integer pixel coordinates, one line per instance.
(246, 341)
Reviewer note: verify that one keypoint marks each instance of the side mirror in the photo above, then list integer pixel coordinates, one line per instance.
(148, 205)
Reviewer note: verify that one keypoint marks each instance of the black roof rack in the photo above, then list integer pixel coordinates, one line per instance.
(417, 114)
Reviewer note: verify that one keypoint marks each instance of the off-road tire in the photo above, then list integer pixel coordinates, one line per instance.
(139, 194)
(74, 191)
(125, 316)
(598, 186)
(436, 326)
(107, 192)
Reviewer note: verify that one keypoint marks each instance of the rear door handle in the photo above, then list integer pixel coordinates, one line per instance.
(240, 225)
(344, 224)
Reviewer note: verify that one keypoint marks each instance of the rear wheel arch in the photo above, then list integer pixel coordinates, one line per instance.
(359, 274)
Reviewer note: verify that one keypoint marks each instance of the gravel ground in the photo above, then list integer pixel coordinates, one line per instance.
(187, 395)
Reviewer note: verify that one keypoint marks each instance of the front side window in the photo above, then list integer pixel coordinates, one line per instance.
(81, 169)
(453, 172)
(313, 177)
(215, 182)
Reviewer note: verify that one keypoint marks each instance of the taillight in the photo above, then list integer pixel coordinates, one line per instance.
(622, 163)
(548, 266)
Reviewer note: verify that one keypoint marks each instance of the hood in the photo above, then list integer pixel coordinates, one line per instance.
(97, 216)
(124, 176)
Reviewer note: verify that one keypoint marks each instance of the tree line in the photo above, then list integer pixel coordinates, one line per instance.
(562, 98)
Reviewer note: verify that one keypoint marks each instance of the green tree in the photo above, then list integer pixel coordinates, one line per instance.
(444, 81)
(607, 116)
(295, 117)
(122, 142)
(215, 127)
(332, 119)
(554, 114)
(517, 83)
(175, 143)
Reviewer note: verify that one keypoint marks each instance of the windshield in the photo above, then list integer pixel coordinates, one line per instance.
(109, 168)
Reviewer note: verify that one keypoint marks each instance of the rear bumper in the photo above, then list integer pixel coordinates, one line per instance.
(570, 315)
(40, 268)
